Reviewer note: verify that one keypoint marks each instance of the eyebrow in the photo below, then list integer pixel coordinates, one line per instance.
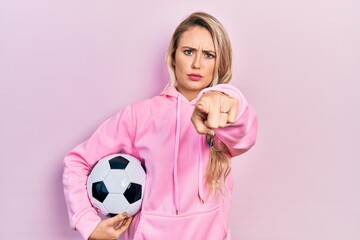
(194, 49)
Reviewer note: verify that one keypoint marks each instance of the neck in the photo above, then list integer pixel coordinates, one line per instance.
(189, 95)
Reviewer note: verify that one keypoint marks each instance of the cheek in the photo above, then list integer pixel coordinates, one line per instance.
(180, 62)
(211, 69)
(178, 69)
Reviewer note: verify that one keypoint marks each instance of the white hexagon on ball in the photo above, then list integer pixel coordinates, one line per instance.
(117, 181)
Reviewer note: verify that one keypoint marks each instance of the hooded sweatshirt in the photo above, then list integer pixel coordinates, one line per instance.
(159, 132)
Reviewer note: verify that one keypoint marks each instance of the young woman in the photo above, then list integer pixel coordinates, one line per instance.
(185, 137)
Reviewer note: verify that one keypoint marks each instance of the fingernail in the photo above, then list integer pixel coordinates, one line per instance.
(124, 214)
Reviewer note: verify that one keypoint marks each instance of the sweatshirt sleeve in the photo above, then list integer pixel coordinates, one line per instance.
(239, 136)
(113, 136)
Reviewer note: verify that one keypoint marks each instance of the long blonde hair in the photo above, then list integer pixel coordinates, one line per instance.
(219, 163)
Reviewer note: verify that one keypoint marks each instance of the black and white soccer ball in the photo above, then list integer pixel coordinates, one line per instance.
(116, 184)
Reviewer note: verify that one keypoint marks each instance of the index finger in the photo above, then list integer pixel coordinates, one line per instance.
(117, 218)
(198, 119)
(123, 226)
(123, 223)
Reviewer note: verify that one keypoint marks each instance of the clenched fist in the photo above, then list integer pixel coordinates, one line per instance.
(214, 110)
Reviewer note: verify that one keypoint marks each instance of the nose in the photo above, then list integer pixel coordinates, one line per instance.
(196, 62)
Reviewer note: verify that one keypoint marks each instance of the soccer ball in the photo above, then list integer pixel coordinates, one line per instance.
(116, 185)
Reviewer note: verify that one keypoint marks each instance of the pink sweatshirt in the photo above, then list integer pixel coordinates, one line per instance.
(159, 132)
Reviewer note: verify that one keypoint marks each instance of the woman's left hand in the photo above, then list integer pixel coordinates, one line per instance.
(214, 110)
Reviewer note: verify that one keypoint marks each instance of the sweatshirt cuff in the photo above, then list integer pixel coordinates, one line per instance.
(87, 224)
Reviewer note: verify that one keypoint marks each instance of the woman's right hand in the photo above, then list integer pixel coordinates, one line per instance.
(111, 228)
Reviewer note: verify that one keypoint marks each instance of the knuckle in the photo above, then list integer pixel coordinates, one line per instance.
(235, 102)
(230, 120)
(212, 124)
(223, 123)
(200, 130)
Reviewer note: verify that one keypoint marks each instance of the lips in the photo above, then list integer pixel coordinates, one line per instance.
(195, 77)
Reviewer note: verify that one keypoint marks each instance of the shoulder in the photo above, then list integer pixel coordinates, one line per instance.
(141, 104)
(151, 106)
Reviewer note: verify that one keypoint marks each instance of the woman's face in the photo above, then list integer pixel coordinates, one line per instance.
(194, 61)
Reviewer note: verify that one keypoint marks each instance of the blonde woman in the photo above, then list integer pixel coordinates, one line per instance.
(185, 137)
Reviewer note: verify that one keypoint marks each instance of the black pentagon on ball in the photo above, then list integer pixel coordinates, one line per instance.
(110, 215)
(99, 191)
(118, 162)
(133, 192)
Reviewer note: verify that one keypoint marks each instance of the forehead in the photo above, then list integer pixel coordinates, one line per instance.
(197, 37)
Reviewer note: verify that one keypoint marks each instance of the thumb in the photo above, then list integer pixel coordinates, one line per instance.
(117, 218)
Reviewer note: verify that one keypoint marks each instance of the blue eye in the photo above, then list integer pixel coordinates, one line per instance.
(209, 56)
(188, 52)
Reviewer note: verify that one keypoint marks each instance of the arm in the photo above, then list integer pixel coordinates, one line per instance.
(113, 136)
(236, 128)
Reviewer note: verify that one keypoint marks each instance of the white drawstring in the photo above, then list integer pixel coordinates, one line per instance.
(176, 156)
(201, 165)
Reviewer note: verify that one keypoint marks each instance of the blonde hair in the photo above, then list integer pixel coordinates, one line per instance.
(219, 164)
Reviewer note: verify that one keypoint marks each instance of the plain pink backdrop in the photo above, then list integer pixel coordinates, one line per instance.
(65, 66)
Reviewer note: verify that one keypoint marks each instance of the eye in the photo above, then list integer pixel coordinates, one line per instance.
(209, 56)
(188, 52)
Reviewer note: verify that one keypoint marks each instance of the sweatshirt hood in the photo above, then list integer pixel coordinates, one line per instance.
(171, 91)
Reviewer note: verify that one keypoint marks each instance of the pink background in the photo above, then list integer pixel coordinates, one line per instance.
(65, 66)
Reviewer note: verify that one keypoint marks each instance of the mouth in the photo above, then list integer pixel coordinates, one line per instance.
(195, 77)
